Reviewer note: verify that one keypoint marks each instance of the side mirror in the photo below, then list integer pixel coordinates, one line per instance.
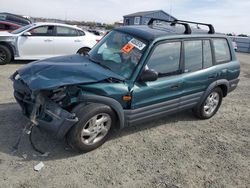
(148, 76)
(27, 34)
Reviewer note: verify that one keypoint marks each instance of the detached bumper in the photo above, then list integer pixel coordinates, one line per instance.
(56, 120)
(47, 114)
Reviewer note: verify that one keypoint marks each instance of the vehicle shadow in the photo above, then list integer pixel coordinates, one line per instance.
(13, 122)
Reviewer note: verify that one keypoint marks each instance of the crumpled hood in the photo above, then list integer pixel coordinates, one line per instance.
(64, 70)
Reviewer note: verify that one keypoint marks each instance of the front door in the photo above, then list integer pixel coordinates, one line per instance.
(163, 95)
(40, 44)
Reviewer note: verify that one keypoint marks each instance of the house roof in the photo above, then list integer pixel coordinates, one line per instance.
(143, 13)
(146, 13)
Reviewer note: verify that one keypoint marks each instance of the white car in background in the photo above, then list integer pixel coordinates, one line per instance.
(44, 40)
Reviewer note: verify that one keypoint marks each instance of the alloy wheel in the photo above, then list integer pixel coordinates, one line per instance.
(211, 103)
(96, 129)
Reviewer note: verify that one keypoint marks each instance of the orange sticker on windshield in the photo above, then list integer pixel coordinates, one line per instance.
(127, 48)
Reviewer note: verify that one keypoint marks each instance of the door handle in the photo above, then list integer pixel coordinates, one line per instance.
(78, 41)
(47, 40)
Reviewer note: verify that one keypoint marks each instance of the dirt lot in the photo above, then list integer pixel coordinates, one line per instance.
(177, 151)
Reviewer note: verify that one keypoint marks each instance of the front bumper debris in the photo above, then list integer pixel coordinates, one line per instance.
(42, 111)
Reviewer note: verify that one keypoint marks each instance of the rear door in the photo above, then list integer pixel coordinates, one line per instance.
(67, 41)
(199, 72)
(163, 95)
(40, 44)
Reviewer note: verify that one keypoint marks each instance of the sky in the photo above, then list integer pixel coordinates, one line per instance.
(227, 16)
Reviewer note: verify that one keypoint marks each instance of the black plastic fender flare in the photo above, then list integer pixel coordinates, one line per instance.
(212, 86)
(114, 104)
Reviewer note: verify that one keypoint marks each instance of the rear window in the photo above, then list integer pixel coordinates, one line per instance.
(193, 55)
(207, 54)
(66, 32)
(222, 52)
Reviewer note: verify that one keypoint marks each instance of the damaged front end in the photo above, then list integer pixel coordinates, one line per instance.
(48, 90)
(50, 110)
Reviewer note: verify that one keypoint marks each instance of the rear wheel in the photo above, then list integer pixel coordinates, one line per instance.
(93, 128)
(210, 104)
(5, 55)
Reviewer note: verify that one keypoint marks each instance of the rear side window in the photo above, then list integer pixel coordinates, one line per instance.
(207, 54)
(165, 58)
(193, 55)
(65, 31)
(222, 53)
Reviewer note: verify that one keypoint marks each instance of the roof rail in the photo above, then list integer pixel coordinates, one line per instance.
(210, 26)
(184, 23)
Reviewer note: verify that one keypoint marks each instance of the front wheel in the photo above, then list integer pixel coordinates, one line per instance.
(93, 128)
(210, 104)
(5, 55)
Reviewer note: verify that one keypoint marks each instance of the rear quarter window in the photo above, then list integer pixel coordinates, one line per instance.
(221, 49)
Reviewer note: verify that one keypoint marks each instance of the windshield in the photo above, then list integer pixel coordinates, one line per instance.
(118, 52)
(21, 29)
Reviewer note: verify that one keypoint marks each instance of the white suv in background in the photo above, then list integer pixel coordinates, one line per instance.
(44, 40)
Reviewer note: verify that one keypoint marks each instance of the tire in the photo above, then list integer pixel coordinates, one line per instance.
(5, 55)
(83, 51)
(80, 137)
(210, 104)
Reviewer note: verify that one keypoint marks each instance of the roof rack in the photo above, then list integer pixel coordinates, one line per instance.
(184, 23)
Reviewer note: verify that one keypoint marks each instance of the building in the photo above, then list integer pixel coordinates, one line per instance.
(243, 43)
(142, 18)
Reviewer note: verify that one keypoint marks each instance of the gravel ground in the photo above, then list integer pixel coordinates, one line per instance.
(177, 151)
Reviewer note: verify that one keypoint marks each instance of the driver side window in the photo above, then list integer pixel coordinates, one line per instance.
(165, 58)
(42, 31)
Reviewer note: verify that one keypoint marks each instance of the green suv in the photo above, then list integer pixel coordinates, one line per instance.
(134, 74)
